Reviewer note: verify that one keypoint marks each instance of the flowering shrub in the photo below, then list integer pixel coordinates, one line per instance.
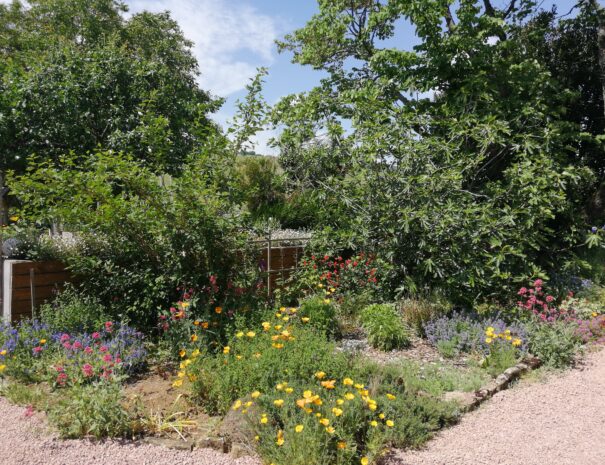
(592, 330)
(338, 277)
(466, 333)
(30, 351)
(541, 304)
(504, 350)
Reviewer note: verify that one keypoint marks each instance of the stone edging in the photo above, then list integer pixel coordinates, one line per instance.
(471, 401)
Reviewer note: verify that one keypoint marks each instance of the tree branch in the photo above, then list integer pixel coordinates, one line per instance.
(489, 9)
(510, 8)
(449, 19)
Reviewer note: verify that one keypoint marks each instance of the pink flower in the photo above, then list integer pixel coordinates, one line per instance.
(118, 360)
(108, 325)
(103, 349)
(107, 358)
(538, 283)
(64, 337)
(96, 335)
(88, 350)
(37, 350)
(67, 345)
(549, 298)
(59, 369)
(522, 291)
(77, 345)
(87, 369)
(172, 310)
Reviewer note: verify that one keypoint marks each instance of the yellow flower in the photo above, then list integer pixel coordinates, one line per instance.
(364, 461)
(42, 341)
(2, 368)
(257, 355)
(195, 353)
(196, 323)
(517, 342)
(280, 386)
(374, 423)
(372, 406)
(193, 337)
(391, 397)
(218, 310)
(181, 374)
(324, 421)
(185, 304)
(381, 416)
(339, 401)
(226, 349)
(264, 420)
(266, 326)
(280, 438)
(390, 423)
(239, 334)
(326, 301)
(299, 428)
(594, 314)
(278, 402)
(182, 353)
(286, 318)
(307, 394)
(14, 218)
(192, 378)
(277, 346)
(205, 325)
(257, 438)
(289, 390)
(488, 340)
(278, 327)
(341, 444)
(237, 404)
(320, 285)
(250, 334)
(282, 309)
(255, 395)
(177, 383)
(349, 396)
(337, 412)
(320, 375)
(490, 329)
(347, 382)
(329, 384)
(305, 319)
(359, 386)
(330, 430)
(249, 404)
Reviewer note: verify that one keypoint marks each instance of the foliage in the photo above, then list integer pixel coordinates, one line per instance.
(321, 314)
(466, 177)
(141, 240)
(80, 75)
(555, 344)
(417, 311)
(465, 333)
(592, 330)
(504, 350)
(73, 312)
(93, 410)
(385, 328)
(282, 348)
(33, 352)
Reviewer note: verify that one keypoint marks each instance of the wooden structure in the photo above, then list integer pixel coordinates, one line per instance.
(27, 284)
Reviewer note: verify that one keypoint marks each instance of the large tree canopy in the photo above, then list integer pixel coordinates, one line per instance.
(76, 75)
(457, 159)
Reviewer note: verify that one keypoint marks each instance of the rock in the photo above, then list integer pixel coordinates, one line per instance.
(240, 450)
(169, 443)
(212, 442)
(467, 400)
(236, 427)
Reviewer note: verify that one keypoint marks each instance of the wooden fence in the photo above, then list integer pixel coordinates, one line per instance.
(26, 285)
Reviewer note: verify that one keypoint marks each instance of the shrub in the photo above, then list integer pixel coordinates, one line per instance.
(592, 330)
(466, 333)
(141, 239)
(556, 343)
(284, 348)
(385, 329)
(93, 410)
(73, 312)
(321, 314)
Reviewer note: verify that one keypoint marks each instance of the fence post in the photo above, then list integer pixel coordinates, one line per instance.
(269, 263)
(32, 291)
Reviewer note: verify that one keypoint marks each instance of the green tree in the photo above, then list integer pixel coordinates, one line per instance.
(78, 75)
(459, 165)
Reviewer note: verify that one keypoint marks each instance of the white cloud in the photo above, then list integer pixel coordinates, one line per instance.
(223, 32)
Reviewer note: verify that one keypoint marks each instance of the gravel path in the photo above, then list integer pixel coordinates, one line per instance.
(561, 421)
(25, 440)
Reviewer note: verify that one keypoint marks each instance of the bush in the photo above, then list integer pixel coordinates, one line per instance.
(94, 410)
(258, 359)
(458, 333)
(73, 312)
(385, 329)
(555, 344)
(143, 238)
(321, 314)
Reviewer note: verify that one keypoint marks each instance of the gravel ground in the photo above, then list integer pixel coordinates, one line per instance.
(25, 440)
(561, 421)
